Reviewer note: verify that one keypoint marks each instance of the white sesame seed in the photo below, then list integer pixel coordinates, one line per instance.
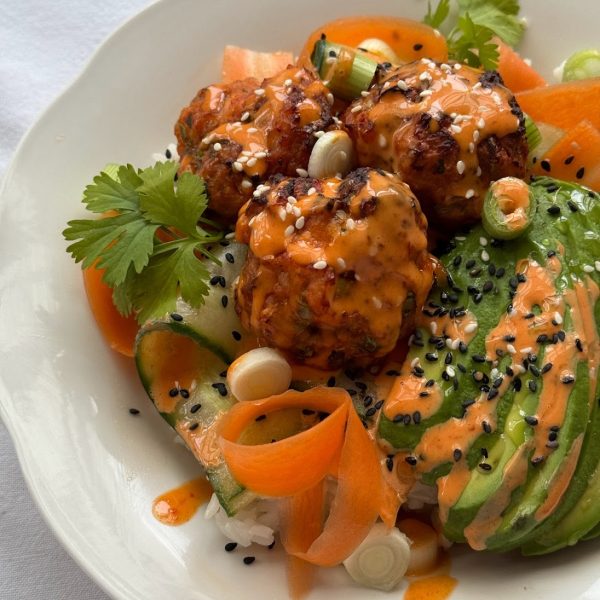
(519, 369)
(261, 154)
(382, 140)
(246, 153)
(291, 200)
(296, 211)
(457, 67)
(230, 236)
(444, 66)
(217, 147)
(511, 349)
(402, 85)
(597, 265)
(341, 263)
(460, 238)
(288, 82)
(246, 184)
(425, 93)
(330, 98)
(414, 362)
(242, 159)
(356, 108)
(252, 130)
(483, 241)
(282, 214)
(437, 34)
(350, 224)
(376, 302)
(236, 124)
(481, 123)
(207, 140)
(477, 85)
(320, 265)
(289, 208)
(259, 92)
(433, 327)
(460, 167)
(340, 214)
(299, 223)
(478, 172)
(289, 230)
(455, 129)
(237, 165)
(424, 75)
(557, 318)
(469, 194)
(251, 162)
(526, 350)
(485, 257)
(245, 116)
(450, 370)
(588, 268)
(386, 85)
(251, 221)
(449, 342)
(364, 93)
(476, 136)
(470, 327)
(319, 134)
(311, 191)
(455, 344)
(302, 172)
(471, 147)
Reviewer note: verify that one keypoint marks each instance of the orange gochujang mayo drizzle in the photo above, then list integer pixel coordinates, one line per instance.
(478, 112)
(177, 506)
(538, 309)
(347, 240)
(255, 136)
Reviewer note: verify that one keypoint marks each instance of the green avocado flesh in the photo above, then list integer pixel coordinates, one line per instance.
(530, 481)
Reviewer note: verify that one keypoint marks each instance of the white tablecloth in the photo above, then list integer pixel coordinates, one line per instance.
(43, 45)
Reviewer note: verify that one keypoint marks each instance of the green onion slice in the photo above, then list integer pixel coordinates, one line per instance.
(584, 64)
(508, 208)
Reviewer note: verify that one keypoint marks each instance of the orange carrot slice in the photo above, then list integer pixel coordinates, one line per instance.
(563, 105)
(293, 464)
(518, 76)
(239, 63)
(118, 331)
(575, 157)
(410, 40)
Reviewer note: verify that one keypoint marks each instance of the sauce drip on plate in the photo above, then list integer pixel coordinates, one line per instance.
(179, 505)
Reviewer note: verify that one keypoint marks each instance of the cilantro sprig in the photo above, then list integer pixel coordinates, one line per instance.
(473, 26)
(151, 241)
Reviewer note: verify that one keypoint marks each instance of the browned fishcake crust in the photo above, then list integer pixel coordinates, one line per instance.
(336, 269)
(238, 135)
(447, 130)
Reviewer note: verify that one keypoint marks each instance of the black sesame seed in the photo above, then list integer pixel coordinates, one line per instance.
(184, 393)
(271, 545)
(411, 460)
(484, 388)
(430, 383)
(546, 367)
(168, 153)
(492, 394)
(509, 371)
(552, 445)
(517, 384)
(248, 560)
(173, 392)
(224, 301)
(485, 466)
(513, 282)
(331, 381)
(457, 260)
(572, 206)
(545, 164)
(392, 372)
(477, 298)
(542, 339)
(260, 418)
(461, 367)
(457, 454)
(554, 210)
(561, 335)
(499, 352)
(478, 358)
(552, 436)
(531, 420)
(406, 419)
(445, 376)
(579, 344)
(222, 281)
(389, 463)
(416, 417)
(521, 277)
(569, 159)
(237, 336)
(484, 452)
(476, 272)
(417, 47)
(371, 411)
(398, 418)
(529, 315)
(220, 387)
(378, 404)
(368, 401)
(351, 391)
(462, 347)
(448, 359)
(534, 370)
(567, 379)
(230, 546)
(467, 403)
(537, 460)
(195, 408)
(423, 394)
(418, 370)
(532, 385)
(223, 373)
(498, 382)
(229, 257)
(134, 411)
(500, 272)
(486, 427)
(214, 280)
(470, 263)
(550, 253)
(176, 317)
(193, 426)
(488, 286)
(431, 356)
(580, 173)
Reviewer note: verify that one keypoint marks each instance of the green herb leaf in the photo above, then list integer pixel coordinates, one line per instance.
(500, 17)
(146, 272)
(437, 18)
(472, 44)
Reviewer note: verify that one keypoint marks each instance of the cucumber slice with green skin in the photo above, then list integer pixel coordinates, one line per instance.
(188, 352)
(592, 534)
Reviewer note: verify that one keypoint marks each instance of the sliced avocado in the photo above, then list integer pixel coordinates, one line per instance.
(482, 272)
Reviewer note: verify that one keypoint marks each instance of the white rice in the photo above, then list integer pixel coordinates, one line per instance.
(162, 156)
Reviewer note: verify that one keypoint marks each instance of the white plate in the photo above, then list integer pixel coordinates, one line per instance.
(93, 468)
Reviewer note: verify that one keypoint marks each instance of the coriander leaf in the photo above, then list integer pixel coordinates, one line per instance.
(169, 276)
(436, 19)
(121, 299)
(506, 25)
(161, 203)
(472, 44)
(107, 193)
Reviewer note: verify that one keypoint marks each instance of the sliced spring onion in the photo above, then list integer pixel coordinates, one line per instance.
(332, 155)
(508, 208)
(381, 560)
(534, 137)
(584, 64)
(380, 49)
(344, 70)
(259, 373)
